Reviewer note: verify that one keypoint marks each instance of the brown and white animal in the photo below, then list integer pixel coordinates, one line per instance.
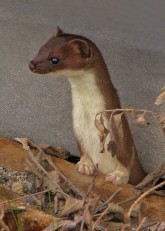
(78, 58)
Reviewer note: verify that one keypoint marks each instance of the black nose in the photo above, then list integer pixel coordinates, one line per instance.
(32, 66)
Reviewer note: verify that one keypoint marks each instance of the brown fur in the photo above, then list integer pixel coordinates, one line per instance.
(78, 53)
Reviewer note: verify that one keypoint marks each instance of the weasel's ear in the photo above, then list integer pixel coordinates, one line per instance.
(58, 31)
(81, 46)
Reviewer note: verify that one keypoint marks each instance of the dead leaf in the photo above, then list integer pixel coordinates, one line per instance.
(161, 119)
(59, 151)
(103, 132)
(100, 127)
(152, 176)
(141, 121)
(129, 112)
(47, 183)
(116, 208)
(111, 147)
(30, 166)
(114, 226)
(70, 225)
(72, 205)
(55, 225)
(23, 141)
(160, 99)
(117, 132)
(161, 226)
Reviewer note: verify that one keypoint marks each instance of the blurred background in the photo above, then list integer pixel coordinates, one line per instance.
(131, 37)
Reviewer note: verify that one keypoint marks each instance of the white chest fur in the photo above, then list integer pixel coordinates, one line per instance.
(87, 101)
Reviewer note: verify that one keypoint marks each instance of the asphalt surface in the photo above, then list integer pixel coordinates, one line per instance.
(130, 34)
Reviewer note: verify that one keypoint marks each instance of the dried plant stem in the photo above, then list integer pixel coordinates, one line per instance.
(150, 177)
(30, 153)
(141, 224)
(56, 204)
(48, 158)
(128, 110)
(83, 219)
(107, 201)
(141, 197)
(90, 187)
(149, 225)
(101, 216)
(23, 197)
(129, 199)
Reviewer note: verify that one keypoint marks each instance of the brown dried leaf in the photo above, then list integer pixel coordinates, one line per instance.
(70, 225)
(161, 226)
(141, 121)
(151, 177)
(102, 149)
(161, 119)
(103, 132)
(49, 184)
(116, 208)
(100, 127)
(23, 141)
(160, 99)
(30, 166)
(116, 125)
(129, 112)
(55, 225)
(117, 132)
(59, 151)
(114, 226)
(111, 147)
(72, 205)
(88, 219)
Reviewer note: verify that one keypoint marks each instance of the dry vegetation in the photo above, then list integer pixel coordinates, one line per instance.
(89, 203)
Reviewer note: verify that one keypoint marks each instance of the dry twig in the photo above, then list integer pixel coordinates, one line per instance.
(48, 158)
(141, 197)
(83, 219)
(141, 224)
(23, 197)
(101, 216)
(101, 207)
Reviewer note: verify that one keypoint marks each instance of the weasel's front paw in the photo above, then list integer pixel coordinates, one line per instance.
(118, 177)
(86, 167)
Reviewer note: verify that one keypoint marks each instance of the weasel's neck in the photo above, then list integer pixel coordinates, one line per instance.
(94, 89)
(86, 96)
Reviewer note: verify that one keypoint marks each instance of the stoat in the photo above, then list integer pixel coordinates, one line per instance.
(79, 59)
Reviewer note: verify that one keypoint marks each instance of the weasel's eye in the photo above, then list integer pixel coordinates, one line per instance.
(54, 60)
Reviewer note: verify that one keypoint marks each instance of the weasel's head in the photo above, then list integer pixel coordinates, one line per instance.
(63, 53)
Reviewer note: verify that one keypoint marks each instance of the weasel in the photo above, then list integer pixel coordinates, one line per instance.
(79, 59)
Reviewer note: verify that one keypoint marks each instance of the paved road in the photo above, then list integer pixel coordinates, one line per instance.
(130, 35)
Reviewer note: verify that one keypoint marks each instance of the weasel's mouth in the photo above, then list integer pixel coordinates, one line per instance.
(38, 70)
